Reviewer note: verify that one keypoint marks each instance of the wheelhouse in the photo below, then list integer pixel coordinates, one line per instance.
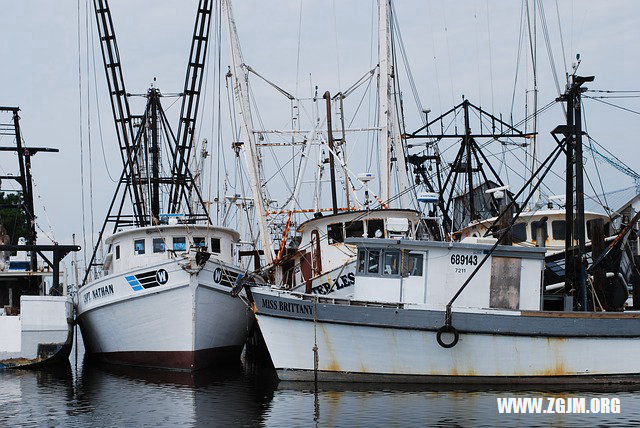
(138, 247)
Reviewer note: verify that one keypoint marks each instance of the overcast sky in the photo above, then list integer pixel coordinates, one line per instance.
(454, 48)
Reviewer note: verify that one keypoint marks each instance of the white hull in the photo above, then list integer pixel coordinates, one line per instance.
(351, 347)
(188, 322)
(41, 334)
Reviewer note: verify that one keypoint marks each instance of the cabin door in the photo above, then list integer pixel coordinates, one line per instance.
(414, 278)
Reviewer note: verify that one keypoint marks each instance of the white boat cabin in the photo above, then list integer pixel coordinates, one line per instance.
(431, 272)
(322, 245)
(132, 248)
(526, 228)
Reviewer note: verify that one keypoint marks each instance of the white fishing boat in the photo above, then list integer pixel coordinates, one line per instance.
(164, 299)
(395, 327)
(325, 263)
(156, 292)
(469, 311)
(36, 312)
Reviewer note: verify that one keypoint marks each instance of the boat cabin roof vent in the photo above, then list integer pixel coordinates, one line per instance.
(397, 225)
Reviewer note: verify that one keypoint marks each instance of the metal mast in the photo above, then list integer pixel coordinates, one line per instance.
(531, 127)
(189, 110)
(384, 91)
(120, 106)
(390, 141)
(575, 257)
(252, 155)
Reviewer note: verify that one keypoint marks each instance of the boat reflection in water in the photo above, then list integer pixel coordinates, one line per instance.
(225, 396)
(248, 395)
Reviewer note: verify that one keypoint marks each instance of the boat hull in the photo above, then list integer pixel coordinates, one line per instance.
(189, 322)
(377, 343)
(42, 334)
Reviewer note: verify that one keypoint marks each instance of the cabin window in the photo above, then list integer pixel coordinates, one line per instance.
(117, 252)
(354, 229)
(215, 245)
(179, 243)
(559, 230)
(534, 230)
(373, 261)
(138, 246)
(334, 233)
(415, 264)
(391, 262)
(375, 228)
(158, 245)
(361, 260)
(199, 242)
(519, 232)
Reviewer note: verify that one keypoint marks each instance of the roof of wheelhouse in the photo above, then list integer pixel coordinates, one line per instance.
(363, 214)
(173, 228)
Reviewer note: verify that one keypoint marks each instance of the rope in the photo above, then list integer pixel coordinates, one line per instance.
(82, 201)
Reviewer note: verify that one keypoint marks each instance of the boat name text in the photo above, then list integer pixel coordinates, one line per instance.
(294, 308)
(338, 284)
(98, 293)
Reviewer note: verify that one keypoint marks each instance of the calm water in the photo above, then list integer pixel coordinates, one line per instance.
(248, 394)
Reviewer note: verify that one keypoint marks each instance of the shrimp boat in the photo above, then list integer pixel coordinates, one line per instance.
(395, 329)
(468, 311)
(36, 316)
(159, 296)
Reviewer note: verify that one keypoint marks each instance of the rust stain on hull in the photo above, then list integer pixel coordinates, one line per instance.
(332, 363)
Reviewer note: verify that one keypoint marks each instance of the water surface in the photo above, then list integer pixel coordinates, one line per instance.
(248, 394)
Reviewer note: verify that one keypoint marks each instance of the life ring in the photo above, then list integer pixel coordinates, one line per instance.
(447, 329)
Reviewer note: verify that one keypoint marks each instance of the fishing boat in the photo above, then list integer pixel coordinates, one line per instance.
(36, 316)
(396, 328)
(467, 311)
(301, 239)
(159, 293)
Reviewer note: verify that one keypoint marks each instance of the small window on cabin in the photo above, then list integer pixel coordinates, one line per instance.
(215, 245)
(334, 233)
(391, 262)
(179, 243)
(519, 232)
(373, 261)
(362, 254)
(354, 229)
(138, 246)
(415, 264)
(117, 252)
(534, 230)
(158, 245)
(375, 228)
(559, 230)
(200, 243)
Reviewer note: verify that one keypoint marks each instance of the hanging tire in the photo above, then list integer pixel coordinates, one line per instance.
(447, 329)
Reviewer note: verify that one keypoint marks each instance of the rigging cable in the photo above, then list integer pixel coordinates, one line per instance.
(515, 80)
(86, 29)
(564, 55)
(95, 87)
(298, 51)
(82, 201)
(613, 105)
(490, 60)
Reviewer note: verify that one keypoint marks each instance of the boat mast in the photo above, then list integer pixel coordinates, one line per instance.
(531, 115)
(252, 155)
(575, 258)
(389, 128)
(334, 198)
(384, 95)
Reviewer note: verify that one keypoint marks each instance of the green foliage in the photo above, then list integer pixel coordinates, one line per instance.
(13, 219)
